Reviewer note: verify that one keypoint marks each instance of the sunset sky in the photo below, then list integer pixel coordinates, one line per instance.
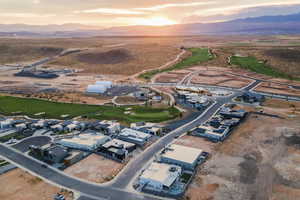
(107, 13)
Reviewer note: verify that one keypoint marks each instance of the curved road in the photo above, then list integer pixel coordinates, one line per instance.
(118, 188)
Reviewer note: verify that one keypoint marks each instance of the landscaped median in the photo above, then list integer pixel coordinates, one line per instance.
(127, 114)
(199, 55)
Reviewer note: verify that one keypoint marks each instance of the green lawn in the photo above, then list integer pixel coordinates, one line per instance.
(16, 136)
(3, 163)
(252, 64)
(199, 55)
(30, 107)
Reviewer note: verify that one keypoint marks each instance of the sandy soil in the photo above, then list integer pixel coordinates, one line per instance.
(95, 168)
(257, 161)
(277, 89)
(19, 185)
(196, 142)
(125, 60)
(170, 77)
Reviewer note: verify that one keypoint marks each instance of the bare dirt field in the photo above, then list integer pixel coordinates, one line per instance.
(19, 185)
(277, 89)
(126, 60)
(206, 75)
(95, 168)
(258, 161)
(171, 77)
(196, 142)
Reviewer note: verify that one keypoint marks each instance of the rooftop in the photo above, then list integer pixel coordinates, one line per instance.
(85, 139)
(162, 173)
(134, 134)
(182, 153)
(118, 144)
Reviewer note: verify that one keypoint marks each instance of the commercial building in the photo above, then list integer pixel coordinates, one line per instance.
(160, 176)
(100, 87)
(96, 89)
(117, 149)
(185, 157)
(86, 142)
(106, 84)
(134, 136)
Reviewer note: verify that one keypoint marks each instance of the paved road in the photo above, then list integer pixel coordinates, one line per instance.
(115, 190)
(135, 166)
(23, 146)
(58, 177)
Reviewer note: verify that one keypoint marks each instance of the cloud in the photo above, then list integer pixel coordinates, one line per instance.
(26, 15)
(172, 5)
(36, 2)
(245, 13)
(112, 11)
(235, 9)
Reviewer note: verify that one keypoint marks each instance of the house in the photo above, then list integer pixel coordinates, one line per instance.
(108, 127)
(5, 124)
(74, 126)
(213, 134)
(149, 128)
(48, 153)
(117, 149)
(21, 127)
(250, 97)
(160, 176)
(185, 157)
(85, 142)
(57, 128)
(134, 136)
(73, 157)
(39, 124)
(229, 113)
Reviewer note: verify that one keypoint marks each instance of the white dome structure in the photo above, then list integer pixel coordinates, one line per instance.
(98, 89)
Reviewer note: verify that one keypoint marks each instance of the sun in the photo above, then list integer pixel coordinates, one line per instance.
(155, 21)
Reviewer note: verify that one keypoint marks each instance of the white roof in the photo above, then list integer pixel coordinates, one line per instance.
(85, 139)
(96, 89)
(108, 83)
(118, 143)
(134, 133)
(182, 153)
(162, 173)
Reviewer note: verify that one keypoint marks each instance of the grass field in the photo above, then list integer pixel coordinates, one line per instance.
(30, 107)
(198, 56)
(252, 64)
(16, 136)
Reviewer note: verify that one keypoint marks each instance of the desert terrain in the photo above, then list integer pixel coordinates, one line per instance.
(258, 161)
(19, 185)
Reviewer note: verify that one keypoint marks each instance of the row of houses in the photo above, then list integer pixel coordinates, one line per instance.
(117, 146)
(219, 126)
(167, 174)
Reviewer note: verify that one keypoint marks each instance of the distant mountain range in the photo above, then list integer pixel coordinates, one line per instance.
(265, 25)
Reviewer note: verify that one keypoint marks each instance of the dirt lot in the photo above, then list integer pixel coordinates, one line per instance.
(19, 185)
(277, 89)
(125, 60)
(259, 161)
(196, 142)
(95, 168)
